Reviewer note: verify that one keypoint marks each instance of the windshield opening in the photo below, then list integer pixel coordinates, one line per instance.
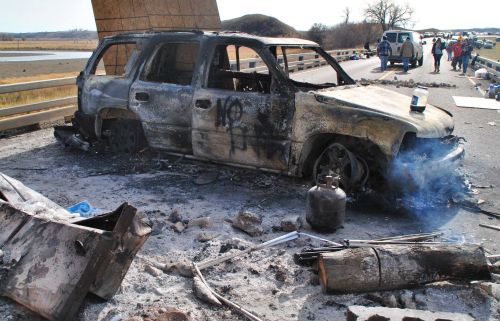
(308, 67)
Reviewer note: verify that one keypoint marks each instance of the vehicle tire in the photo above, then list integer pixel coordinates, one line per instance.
(421, 61)
(413, 63)
(336, 159)
(125, 136)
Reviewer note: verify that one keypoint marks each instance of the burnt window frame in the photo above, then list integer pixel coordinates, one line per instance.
(342, 77)
(149, 59)
(257, 48)
(92, 65)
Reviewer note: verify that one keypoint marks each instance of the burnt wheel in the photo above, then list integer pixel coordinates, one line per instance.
(336, 159)
(125, 136)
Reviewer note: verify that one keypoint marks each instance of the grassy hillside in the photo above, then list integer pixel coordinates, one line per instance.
(260, 25)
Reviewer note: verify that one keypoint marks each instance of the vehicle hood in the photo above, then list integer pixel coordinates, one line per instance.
(432, 123)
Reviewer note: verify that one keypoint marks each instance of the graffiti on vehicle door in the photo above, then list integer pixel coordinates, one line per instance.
(229, 115)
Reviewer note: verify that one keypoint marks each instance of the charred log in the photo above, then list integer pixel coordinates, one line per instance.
(392, 267)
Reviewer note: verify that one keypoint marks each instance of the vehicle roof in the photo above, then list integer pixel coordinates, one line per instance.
(219, 34)
(400, 31)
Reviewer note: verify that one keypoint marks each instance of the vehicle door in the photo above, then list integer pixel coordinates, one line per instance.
(242, 112)
(162, 95)
(392, 39)
(106, 80)
(401, 39)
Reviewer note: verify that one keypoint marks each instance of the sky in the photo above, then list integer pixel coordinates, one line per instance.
(57, 15)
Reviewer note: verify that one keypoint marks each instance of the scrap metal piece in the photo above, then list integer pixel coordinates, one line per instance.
(130, 232)
(52, 260)
(69, 136)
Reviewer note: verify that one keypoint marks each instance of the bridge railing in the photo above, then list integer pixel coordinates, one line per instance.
(56, 109)
(298, 61)
(492, 66)
(40, 112)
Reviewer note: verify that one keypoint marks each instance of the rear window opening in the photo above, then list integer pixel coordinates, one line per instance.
(116, 59)
(172, 63)
(402, 36)
(391, 36)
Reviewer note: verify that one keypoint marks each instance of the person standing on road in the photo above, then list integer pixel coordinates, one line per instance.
(466, 55)
(437, 52)
(407, 52)
(449, 51)
(384, 50)
(457, 53)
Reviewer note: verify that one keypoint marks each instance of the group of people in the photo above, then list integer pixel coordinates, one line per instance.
(384, 50)
(459, 53)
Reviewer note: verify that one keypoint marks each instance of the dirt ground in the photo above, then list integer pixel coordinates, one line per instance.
(267, 282)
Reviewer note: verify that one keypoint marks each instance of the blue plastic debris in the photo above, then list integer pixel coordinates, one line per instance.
(84, 209)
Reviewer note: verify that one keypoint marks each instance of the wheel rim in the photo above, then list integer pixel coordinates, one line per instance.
(338, 160)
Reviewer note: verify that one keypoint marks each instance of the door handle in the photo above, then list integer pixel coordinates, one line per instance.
(203, 103)
(140, 96)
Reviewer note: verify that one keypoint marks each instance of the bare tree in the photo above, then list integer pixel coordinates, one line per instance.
(317, 33)
(347, 14)
(400, 15)
(389, 14)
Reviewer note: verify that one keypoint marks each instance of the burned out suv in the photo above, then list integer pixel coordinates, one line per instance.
(274, 104)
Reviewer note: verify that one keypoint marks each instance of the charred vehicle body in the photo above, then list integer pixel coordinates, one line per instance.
(242, 100)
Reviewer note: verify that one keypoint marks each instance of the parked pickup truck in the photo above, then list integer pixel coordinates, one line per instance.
(256, 102)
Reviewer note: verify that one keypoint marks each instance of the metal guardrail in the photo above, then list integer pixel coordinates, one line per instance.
(33, 85)
(492, 66)
(52, 110)
(36, 113)
(299, 61)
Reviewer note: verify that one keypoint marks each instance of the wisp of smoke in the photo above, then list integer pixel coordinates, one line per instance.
(421, 181)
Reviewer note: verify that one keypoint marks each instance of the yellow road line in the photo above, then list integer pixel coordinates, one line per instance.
(387, 74)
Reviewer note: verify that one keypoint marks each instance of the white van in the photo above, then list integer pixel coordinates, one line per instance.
(396, 39)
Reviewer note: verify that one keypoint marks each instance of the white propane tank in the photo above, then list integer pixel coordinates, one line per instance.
(419, 99)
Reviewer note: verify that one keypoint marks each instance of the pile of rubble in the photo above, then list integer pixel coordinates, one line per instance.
(405, 83)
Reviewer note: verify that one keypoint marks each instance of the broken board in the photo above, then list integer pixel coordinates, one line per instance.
(51, 261)
(476, 102)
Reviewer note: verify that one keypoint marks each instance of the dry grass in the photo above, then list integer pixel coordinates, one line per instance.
(49, 44)
(33, 96)
(493, 54)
